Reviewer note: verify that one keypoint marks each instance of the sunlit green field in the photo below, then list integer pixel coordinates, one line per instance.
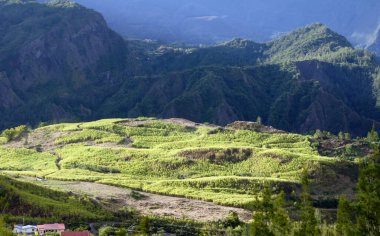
(226, 166)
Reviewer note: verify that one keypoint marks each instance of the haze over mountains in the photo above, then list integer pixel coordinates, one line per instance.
(60, 62)
(210, 21)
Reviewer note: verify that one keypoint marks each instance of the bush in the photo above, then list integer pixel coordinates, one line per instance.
(14, 133)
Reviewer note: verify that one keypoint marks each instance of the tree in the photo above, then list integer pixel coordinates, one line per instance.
(280, 220)
(270, 218)
(107, 230)
(318, 134)
(341, 135)
(3, 230)
(373, 136)
(309, 223)
(232, 220)
(344, 223)
(368, 192)
(121, 232)
(144, 226)
(263, 214)
(14, 133)
(259, 120)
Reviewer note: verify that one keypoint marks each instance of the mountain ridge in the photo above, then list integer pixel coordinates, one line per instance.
(76, 68)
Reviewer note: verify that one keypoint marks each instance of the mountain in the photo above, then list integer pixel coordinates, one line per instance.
(307, 80)
(211, 21)
(54, 60)
(60, 62)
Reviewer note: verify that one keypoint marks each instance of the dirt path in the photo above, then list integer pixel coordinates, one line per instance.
(147, 203)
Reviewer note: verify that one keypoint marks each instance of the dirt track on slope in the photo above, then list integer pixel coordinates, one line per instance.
(147, 204)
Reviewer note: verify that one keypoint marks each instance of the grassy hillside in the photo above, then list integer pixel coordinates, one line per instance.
(37, 204)
(226, 165)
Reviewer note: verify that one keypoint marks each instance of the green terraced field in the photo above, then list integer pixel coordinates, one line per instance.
(221, 164)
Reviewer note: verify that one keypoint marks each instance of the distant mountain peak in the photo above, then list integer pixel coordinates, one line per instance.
(240, 43)
(315, 32)
(310, 42)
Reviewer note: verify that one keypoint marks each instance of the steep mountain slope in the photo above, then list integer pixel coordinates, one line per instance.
(54, 60)
(307, 80)
(59, 61)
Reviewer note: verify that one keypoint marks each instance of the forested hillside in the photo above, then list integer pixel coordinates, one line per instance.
(71, 67)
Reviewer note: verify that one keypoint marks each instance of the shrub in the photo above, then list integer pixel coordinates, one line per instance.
(14, 133)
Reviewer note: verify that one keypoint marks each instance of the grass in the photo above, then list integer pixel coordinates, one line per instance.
(29, 200)
(20, 159)
(3, 140)
(225, 166)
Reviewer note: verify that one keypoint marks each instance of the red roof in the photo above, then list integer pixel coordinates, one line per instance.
(84, 233)
(51, 227)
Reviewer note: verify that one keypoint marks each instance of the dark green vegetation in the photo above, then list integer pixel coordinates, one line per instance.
(60, 62)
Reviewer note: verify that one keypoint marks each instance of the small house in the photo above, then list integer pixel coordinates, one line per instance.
(25, 229)
(50, 228)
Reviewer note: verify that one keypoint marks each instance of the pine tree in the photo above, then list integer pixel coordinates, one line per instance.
(373, 136)
(368, 191)
(270, 218)
(280, 220)
(264, 212)
(344, 223)
(309, 223)
(259, 120)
